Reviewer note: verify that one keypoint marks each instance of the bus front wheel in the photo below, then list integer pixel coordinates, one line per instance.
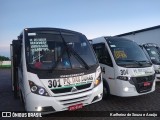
(106, 91)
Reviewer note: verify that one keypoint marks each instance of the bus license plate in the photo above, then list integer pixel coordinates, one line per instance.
(75, 107)
(145, 84)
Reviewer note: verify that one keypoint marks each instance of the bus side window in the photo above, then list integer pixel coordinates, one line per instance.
(102, 54)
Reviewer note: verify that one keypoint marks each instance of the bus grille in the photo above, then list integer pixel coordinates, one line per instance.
(69, 100)
(140, 81)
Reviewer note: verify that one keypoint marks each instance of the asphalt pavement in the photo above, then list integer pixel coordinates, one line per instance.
(148, 102)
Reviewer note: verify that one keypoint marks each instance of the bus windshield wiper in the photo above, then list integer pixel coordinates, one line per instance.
(135, 61)
(130, 60)
(78, 57)
(69, 49)
(73, 52)
(144, 61)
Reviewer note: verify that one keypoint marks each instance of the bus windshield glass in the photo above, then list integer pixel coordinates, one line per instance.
(127, 53)
(58, 50)
(154, 54)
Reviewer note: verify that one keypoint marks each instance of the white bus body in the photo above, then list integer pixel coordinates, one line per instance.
(54, 70)
(126, 70)
(154, 54)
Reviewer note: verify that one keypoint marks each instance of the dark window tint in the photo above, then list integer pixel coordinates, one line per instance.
(55, 50)
(102, 54)
(127, 53)
(154, 54)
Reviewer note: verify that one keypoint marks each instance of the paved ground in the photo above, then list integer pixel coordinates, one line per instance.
(149, 102)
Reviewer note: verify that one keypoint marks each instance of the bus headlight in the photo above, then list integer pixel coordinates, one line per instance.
(37, 89)
(123, 78)
(97, 81)
(39, 108)
(34, 88)
(126, 89)
(41, 91)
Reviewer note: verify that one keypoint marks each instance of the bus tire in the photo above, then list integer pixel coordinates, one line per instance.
(16, 93)
(22, 100)
(16, 87)
(106, 91)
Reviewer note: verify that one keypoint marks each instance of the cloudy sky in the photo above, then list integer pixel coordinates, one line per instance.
(94, 18)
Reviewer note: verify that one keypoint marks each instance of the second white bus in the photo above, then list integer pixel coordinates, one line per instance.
(126, 69)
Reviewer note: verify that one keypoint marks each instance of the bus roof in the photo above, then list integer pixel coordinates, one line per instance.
(50, 29)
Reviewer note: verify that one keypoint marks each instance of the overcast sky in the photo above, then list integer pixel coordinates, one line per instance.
(94, 18)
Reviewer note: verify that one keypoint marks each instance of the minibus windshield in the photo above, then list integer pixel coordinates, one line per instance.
(58, 50)
(127, 53)
(154, 54)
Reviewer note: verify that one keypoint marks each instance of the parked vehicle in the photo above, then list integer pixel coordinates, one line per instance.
(153, 51)
(126, 69)
(54, 70)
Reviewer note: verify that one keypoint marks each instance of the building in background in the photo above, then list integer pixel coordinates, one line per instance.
(147, 35)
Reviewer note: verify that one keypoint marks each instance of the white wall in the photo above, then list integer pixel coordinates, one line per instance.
(5, 62)
(151, 36)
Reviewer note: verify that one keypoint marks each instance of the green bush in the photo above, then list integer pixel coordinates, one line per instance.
(5, 66)
(3, 58)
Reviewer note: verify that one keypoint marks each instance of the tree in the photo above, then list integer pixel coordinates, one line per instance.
(1, 63)
(3, 58)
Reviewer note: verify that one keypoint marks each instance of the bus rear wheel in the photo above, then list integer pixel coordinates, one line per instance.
(16, 92)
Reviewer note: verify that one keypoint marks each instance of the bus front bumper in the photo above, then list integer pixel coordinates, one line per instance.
(125, 89)
(52, 104)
